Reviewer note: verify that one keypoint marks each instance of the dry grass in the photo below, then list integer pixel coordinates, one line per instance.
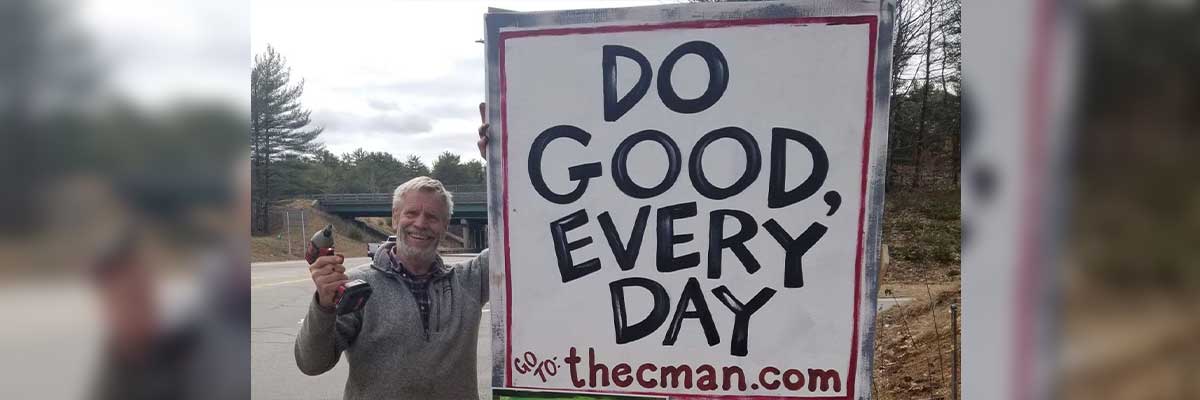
(348, 239)
(923, 232)
(914, 345)
(914, 342)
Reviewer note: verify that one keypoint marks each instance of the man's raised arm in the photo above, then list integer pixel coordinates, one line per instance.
(323, 334)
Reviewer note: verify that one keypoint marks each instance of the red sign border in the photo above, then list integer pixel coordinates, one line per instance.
(870, 20)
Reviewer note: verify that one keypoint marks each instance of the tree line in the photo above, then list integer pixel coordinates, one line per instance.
(925, 136)
(362, 171)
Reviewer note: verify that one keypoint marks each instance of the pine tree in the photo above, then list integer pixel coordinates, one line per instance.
(448, 168)
(416, 167)
(278, 127)
(476, 172)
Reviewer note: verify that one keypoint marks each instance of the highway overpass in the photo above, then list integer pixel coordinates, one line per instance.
(470, 209)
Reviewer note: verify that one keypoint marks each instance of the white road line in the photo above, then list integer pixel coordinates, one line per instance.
(299, 262)
(267, 285)
(274, 263)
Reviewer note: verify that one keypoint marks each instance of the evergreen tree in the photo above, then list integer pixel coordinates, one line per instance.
(278, 127)
(415, 166)
(449, 169)
(476, 172)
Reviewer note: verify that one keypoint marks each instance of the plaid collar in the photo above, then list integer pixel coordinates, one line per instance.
(436, 270)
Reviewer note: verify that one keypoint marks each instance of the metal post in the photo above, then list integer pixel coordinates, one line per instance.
(954, 357)
(937, 334)
(287, 217)
(303, 228)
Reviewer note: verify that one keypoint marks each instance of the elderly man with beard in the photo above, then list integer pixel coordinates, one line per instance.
(416, 337)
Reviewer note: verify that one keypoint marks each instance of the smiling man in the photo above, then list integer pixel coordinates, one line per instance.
(416, 337)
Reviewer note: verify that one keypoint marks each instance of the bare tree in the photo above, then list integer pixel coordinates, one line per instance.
(919, 139)
(904, 47)
(951, 48)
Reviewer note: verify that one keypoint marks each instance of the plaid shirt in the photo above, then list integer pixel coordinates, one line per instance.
(418, 285)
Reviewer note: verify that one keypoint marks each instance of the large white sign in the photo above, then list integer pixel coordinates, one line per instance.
(684, 205)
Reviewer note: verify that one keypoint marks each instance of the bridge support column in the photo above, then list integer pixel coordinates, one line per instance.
(468, 237)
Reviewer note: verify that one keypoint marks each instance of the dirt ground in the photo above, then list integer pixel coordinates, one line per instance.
(1122, 343)
(914, 344)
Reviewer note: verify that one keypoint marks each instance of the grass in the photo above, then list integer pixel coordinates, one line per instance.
(923, 232)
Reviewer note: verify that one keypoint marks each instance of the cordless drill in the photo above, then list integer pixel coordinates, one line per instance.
(351, 296)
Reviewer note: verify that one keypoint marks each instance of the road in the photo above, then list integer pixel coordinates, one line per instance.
(884, 303)
(281, 294)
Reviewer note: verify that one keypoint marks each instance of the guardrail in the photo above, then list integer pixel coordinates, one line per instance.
(466, 188)
(354, 198)
(460, 197)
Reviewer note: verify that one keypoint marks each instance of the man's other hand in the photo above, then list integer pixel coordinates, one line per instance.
(483, 130)
(328, 274)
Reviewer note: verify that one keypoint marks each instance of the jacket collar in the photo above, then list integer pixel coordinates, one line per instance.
(386, 263)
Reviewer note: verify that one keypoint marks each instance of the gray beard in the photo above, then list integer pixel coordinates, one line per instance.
(411, 253)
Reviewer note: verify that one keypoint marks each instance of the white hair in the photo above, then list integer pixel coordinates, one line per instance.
(423, 184)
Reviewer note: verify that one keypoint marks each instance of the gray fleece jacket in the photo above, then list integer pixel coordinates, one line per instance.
(391, 354)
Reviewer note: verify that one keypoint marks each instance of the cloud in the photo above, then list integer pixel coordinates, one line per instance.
(383, 105)
(444, 87)
(455, 110)
(397, 123)
(435, 110)
(464, 78)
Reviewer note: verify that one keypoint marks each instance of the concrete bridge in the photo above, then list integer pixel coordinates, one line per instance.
(469, 216)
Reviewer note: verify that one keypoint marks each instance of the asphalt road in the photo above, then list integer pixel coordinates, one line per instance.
(281, 294)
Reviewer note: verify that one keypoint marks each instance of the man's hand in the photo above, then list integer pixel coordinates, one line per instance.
(483, 130)
(328, 273)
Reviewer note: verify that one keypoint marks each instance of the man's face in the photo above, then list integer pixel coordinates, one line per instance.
(420, 224)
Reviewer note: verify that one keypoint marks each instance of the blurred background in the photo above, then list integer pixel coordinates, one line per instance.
(123, 229)
(1080, 206)
(1130, 264)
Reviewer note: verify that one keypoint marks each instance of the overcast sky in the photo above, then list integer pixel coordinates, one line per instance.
(404, 77)
(155, 52)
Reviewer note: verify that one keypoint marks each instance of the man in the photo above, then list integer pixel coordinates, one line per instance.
(416, 337)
